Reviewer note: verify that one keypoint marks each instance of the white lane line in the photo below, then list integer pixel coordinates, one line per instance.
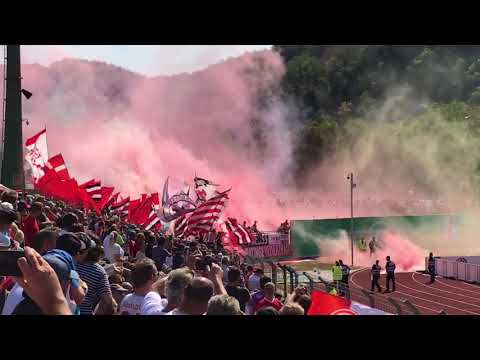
(382, 296)
(441, 304)
(446, 291)
(463, 283)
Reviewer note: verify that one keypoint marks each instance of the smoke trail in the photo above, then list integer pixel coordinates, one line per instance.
(407, 255)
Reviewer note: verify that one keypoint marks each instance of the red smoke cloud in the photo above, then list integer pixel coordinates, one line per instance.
(406, 255)
(132, 132)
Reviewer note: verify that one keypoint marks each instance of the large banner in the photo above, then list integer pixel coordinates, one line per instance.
(270, 245)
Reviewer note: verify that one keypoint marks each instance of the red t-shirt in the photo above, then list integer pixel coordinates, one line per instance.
(29, 226)
(276, 304)
(133, 248)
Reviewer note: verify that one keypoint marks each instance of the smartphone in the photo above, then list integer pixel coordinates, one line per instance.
(8, 263)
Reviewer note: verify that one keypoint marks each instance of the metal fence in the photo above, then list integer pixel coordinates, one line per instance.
(287, 279)
(457, 270)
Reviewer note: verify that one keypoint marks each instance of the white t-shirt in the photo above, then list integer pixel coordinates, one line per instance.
(254, 282)
(15, 296)
(176, 312)
(153, 304)
(131, 304)
(112, 250)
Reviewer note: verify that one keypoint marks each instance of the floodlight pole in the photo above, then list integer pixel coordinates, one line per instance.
(352, 186)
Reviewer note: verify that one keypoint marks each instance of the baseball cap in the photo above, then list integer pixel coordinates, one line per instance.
(62, 263)
(7, 213)
(22, 205)
(87, 242)
(69, 219)
(70, 243)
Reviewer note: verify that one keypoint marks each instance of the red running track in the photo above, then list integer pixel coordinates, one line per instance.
(455, 297)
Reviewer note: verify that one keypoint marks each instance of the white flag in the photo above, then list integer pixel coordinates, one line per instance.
(37, 153)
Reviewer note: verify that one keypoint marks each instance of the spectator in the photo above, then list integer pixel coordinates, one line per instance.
(225, 266)
(45, 240)
(115, 278)
(269, 299)
(10, 197)
(175, 285)
(257, 295)
(40, 282)
(113, 252)
(236, 288)
(37, 212)
(223, 305)
(150, 243)
(135, 245)
(144, 275)
(99, 293)
(7, 217)
(254, 280)
(70, 243)
(66, 222)
(119, 293)
(254, 227)
(292, 309)
(196, 297)
(141, 246)
(62, 264)
(28, 223)
(305, 301)
(159, 253)
(178, 259)
(268, 310)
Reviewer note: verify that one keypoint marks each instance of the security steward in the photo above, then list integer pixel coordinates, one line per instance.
(337, 275)
(345, 275)
(390, 267)
(431, 268)
(375, 276)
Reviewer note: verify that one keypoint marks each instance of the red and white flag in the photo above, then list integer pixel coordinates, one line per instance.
(94, 189)
(121, 207)
(107, 192)
(180, 225)
(57, 164)
(326, 304)
(205, 215)
(238, 232)
(37, 153)
(153, 218)
(112, 200)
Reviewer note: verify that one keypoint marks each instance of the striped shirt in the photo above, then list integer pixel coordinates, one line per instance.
(97, 280)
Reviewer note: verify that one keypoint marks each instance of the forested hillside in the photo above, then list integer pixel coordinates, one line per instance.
(348, 94)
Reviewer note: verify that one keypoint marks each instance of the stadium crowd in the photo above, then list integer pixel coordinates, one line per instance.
(77, 262)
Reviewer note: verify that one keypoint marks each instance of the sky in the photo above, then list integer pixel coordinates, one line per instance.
(149, 60)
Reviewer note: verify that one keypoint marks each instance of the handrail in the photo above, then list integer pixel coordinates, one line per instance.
(310, 280)
(412, 307)
(395, 304)
(274, 271)
(284, 269)
(292, 277)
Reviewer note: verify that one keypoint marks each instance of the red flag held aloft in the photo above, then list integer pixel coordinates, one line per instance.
(326, 304)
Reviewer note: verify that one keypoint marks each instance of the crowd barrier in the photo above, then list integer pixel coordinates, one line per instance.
(458, 270)
(287, 279)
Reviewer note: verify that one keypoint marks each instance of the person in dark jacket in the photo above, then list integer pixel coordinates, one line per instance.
(390, 267)
(375, 275)
(431, 268)
(345, 275)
